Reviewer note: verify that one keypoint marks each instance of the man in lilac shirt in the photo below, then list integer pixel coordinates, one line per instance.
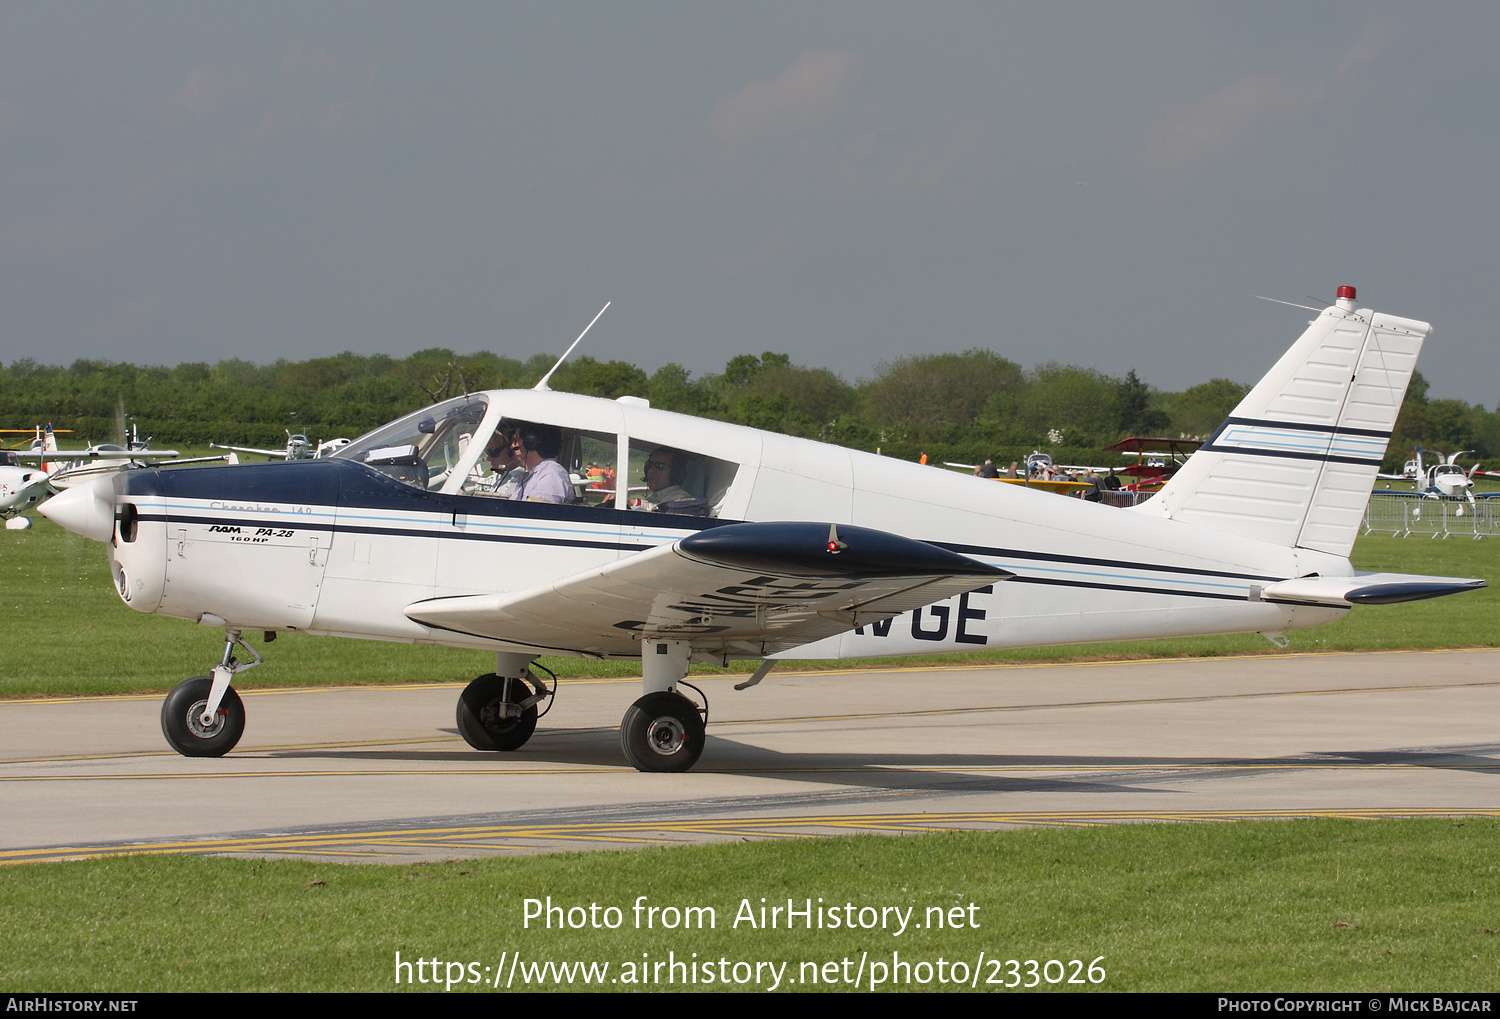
(539, 446)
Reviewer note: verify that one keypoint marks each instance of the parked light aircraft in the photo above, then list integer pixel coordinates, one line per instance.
(1167, 455)
(297, 448)
(20, 488)
(1442, 479)
(1448, 478)
(68, 467)
(785, 546)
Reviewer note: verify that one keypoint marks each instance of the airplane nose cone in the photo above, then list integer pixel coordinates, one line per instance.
(87, 509)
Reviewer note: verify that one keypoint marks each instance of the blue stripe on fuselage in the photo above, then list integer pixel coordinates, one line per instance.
(322, 490)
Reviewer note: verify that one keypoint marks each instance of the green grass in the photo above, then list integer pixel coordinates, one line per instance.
(72, 635)
(1322, 905)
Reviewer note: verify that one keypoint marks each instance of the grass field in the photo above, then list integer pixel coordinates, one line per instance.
(1292, 905)
(72, 635)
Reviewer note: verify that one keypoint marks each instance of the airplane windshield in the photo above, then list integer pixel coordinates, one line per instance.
(423, 448)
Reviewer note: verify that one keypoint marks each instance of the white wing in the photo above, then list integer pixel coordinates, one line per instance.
(745, 589)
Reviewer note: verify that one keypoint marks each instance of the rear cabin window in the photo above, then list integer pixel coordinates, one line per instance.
(672, 479)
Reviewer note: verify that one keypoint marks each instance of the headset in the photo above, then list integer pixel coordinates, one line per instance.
(500, 443)
(544, 440)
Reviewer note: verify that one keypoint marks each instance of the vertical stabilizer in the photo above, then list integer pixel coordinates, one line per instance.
(49, 446)
(1296, 460)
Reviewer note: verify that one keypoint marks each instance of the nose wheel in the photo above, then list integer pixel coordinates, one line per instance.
(183, 724)
(203, 716)
(662, 732)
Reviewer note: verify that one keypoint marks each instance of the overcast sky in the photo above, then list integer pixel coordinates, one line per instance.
(1105, 184)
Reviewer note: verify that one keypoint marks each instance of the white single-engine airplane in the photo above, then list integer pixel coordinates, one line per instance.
(1447, 478)
(20, 489)
(768, 545)
(68, 467)
(1443, 479)
(297, 448)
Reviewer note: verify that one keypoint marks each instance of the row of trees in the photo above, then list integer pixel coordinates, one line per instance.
(961, 407)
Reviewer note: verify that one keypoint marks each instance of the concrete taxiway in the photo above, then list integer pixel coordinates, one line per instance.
(379, 773)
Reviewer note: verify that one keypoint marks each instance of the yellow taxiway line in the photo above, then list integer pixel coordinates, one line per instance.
(365, 843)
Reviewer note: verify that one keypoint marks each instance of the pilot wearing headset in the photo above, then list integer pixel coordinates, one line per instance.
(506, 469)
(537, 447)
(665, 471)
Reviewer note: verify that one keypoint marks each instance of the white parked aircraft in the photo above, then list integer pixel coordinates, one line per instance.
(297, 448)
(68, 467)
(769, 546)
(1445, 478)
(20, 489)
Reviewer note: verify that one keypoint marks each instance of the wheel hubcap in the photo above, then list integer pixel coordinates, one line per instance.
(195, 721)
(493, 717)
(666, 736)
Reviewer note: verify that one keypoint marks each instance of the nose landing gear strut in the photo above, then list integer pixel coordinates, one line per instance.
(204, 716)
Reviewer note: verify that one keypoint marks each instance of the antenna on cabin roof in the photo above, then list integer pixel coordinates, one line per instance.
(542, 386)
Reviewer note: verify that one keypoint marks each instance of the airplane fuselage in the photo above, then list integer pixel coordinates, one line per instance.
(336, 547)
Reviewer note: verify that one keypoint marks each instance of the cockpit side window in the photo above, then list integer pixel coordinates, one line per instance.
(424, 448)
(518, 449)
(671, 479)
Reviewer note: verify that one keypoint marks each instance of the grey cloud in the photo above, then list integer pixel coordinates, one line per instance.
(1191, 134)
(206, 89)
(1188, 136)
(810, 136)
(805, 97)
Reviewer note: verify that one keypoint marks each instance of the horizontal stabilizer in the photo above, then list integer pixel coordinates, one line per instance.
(743, 589)
(1366, 589)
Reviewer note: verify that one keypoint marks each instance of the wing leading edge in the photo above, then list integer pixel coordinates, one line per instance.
(741, 589)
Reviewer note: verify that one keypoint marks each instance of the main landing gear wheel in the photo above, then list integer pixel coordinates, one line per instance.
(662, 732)
(483, 720)
(185, 730)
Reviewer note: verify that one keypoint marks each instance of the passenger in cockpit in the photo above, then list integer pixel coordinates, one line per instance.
(666, 470)
(538, 447)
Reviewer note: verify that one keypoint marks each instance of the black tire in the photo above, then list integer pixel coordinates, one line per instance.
(187, 736)
(662, 732)
(479, 721)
